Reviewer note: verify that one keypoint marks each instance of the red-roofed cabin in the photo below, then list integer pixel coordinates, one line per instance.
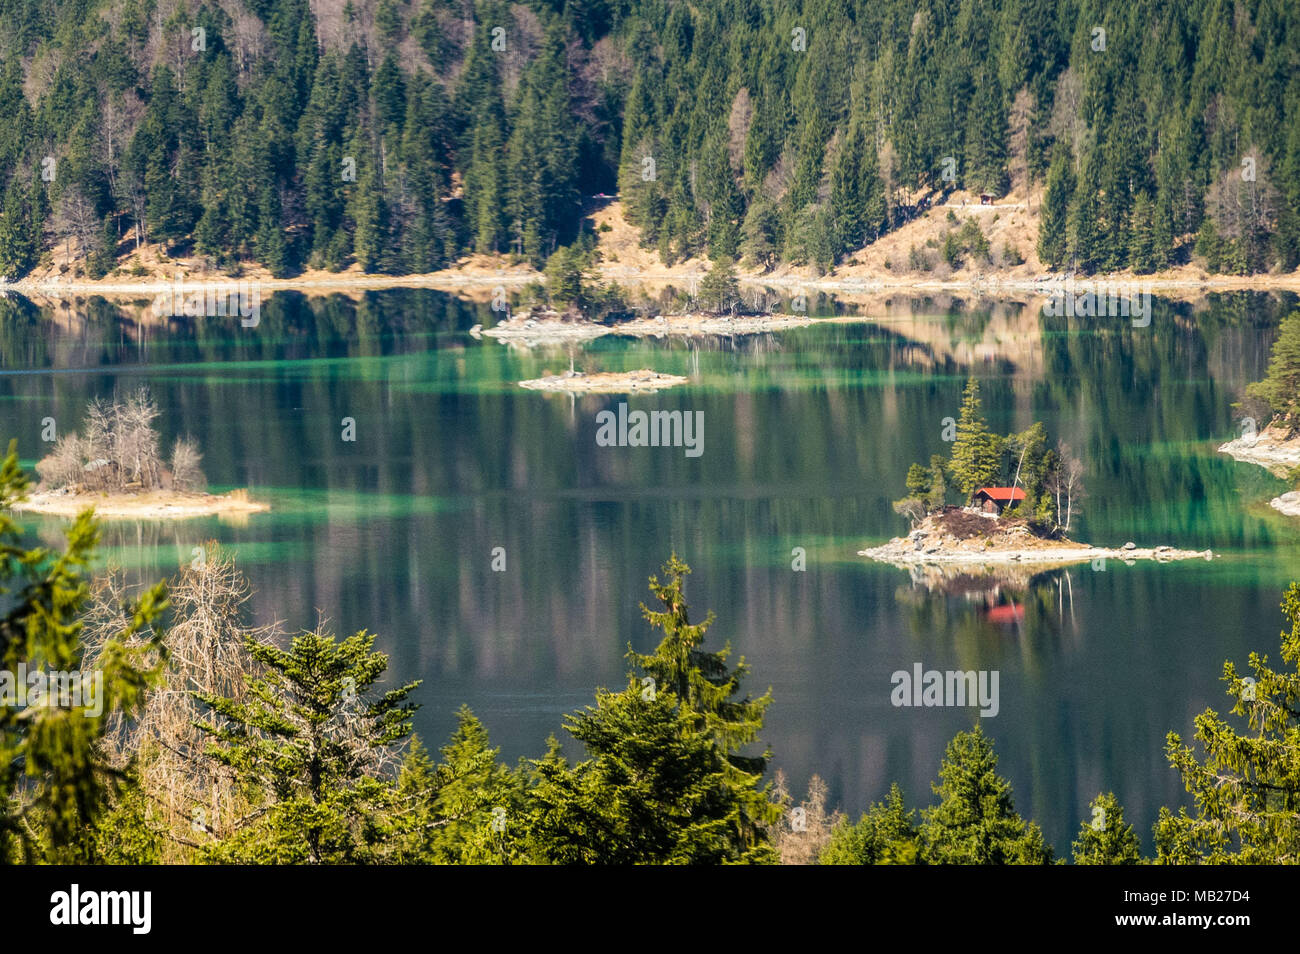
(997, 499)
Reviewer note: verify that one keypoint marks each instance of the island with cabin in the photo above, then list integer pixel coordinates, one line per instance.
(1019, 494)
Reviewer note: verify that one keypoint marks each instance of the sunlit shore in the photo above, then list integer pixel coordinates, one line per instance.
(154, 505)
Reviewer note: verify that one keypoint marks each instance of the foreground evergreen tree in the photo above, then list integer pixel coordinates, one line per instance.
(666, 781)
(310, 748)
(56, 787)
(975, 822)
(1105, 839)
(466, 809)
(1245, 786)
(885, 835)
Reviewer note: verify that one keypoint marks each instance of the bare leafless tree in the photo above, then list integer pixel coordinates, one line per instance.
(205, 644)
(1065, 483)
(806, 828)
(186, 458)
(119, 450)
(63, 466)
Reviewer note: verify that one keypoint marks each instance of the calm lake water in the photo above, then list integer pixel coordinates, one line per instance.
(807, 438)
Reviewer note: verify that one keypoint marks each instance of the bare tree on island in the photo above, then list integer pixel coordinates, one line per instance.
(119, 451)
(1065, 483)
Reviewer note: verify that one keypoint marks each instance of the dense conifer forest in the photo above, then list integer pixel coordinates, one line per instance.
(402, 136)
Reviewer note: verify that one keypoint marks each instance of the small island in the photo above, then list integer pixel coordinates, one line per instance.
(573, 306)
(117, 468)
(605, 382)
(1020, 497)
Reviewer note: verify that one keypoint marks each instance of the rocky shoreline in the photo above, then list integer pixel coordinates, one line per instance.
(1271, 450)
(934, 543)
(551, 327)
(605, 382)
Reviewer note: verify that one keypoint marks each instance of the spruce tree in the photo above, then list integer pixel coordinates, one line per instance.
(1053, 241)
(976, 451)
(1105, 838)
(886, 834)
(1244, 783)
(307, 746)
(667, 780)
(1280, 389)
(975, 822)
(56, 783)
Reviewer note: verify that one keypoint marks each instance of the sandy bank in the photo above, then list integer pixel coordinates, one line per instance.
(155, 505)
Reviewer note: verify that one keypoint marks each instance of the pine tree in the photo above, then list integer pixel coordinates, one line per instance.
(17, 250)
(666, 780)
(885, 835)
(719, 292)
(1105, 838)
(1245, 786)
(307, 746)
(466, 809)
(976, 451)
(56, 785)
(1143, 253)
(1053, 241)
(1280, 390)
(975, 822)
(986, 138)
(1086, 240)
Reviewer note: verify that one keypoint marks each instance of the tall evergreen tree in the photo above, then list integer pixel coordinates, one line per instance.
(1053, 235)
(975, 822)
(976, 451)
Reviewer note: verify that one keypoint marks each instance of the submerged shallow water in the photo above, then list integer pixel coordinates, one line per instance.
(807, 438)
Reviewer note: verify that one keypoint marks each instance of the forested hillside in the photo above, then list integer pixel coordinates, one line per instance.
(401, 136)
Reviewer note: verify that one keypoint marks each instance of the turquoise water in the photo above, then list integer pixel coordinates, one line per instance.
(808, 435)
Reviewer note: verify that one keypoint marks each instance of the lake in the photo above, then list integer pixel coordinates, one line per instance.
(807, 437)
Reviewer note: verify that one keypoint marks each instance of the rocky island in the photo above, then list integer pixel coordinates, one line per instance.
(1019, 499)
(547, 327)
(605, 382)
(966, 536)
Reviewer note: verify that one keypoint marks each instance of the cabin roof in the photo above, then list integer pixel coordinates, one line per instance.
(1001, 493)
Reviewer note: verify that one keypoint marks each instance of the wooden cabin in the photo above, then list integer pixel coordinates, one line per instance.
(997, 499)
(986, 198)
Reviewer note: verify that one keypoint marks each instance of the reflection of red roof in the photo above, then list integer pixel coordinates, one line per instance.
(1001, 493)
(1012, 613)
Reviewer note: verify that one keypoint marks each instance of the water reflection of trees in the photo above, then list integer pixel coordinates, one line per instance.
(982, 614)
(811, 446)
